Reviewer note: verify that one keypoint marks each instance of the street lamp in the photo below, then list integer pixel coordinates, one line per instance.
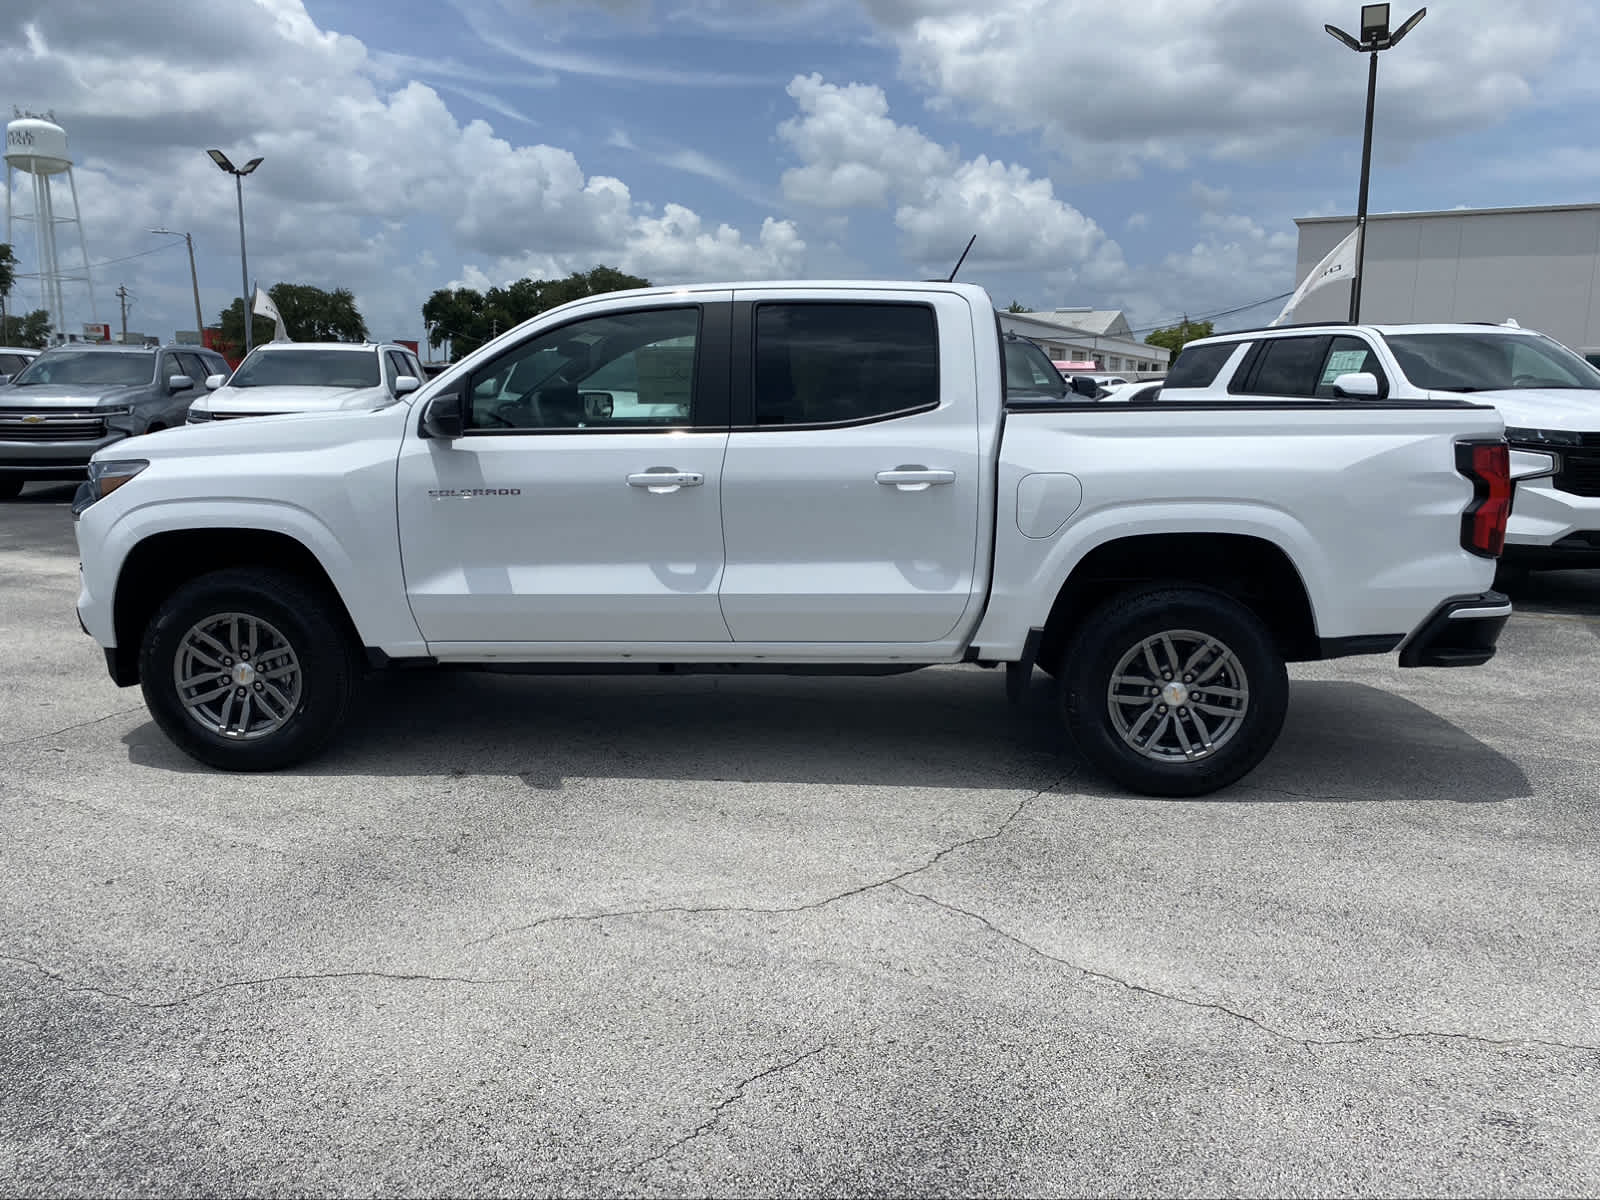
(238, 173)
(1375, 36)
(199, 321)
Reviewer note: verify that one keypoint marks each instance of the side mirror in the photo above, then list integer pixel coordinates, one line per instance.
(1358, 385)
(213, 382)
(406, 384)
(1084, 386)
(4, 379)
(179, 383)
(444, 417)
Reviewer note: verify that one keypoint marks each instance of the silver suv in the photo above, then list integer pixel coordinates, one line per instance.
(75, 399)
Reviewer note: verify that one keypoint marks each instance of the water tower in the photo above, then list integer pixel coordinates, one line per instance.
(36, 146)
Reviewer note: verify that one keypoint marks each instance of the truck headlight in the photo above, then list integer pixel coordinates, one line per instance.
(105, 478)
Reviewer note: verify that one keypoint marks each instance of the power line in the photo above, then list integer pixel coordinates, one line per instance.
(1227, 312)
(129, 257)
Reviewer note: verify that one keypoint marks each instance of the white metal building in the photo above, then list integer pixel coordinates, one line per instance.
(1540, 266)
(1101, 336)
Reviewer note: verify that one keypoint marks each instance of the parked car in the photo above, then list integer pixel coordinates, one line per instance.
(77, 398)
(839, 484)
(289, 377)
(13, 359)
(1548, 396)
(1032, 376)
(1133, 393)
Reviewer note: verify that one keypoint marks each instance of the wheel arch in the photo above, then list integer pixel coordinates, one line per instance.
(162, 562)
(1252, 570)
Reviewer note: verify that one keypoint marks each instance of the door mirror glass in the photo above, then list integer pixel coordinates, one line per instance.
(213, 382)
(405, 384)
(179, 383)
(443, 417)
(1358, 385)
(1083, 385)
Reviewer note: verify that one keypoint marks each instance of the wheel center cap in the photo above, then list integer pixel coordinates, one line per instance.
(1175, 694)
(244, 674)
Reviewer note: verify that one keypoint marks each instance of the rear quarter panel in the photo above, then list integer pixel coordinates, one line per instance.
(1366, 503)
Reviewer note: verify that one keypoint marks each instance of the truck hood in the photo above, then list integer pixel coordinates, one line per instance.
(288, 399)
(1574, 409)
(269, 434)
(64, 395)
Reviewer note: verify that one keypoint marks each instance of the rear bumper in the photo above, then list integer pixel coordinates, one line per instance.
(1461, 632)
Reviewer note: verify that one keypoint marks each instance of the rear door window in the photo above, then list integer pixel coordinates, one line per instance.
(1290, 366)
(838, 363)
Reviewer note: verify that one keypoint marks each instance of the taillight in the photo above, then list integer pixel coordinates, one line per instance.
(1483, 525)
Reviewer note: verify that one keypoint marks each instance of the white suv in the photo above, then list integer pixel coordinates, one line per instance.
(295, 377)
(1548, 396)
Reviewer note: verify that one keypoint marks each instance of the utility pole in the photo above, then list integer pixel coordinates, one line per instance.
(122, 297)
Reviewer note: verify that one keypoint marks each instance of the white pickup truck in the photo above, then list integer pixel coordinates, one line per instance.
(793, 477)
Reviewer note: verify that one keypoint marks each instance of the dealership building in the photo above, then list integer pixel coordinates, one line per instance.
(1537, 266)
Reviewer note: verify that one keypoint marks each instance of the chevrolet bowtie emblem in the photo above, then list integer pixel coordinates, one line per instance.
(32, 419)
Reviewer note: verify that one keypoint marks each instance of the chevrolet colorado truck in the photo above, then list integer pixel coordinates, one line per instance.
(802, 478)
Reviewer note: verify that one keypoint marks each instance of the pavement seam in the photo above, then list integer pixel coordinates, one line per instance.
(39, 737)
(715, 1119)
(57, 977)
(1235, 1014)
(566, 918)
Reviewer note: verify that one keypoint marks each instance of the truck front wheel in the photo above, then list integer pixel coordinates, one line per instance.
(1173, 691)
(248, 669)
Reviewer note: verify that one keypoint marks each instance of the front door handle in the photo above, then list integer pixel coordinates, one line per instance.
(661, 481)
(914, 478)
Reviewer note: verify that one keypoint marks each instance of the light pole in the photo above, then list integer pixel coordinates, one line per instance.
(1375, 36)
(194, 279)
(238, 173)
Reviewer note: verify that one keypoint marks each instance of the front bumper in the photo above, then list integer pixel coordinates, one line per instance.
(1461, 632)
(1552, 527)
(52, 460)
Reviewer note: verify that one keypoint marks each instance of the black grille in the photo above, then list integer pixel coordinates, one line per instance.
(34, 425)
(1579, 473)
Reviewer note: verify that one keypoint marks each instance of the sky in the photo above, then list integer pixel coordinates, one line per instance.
(1148, 155)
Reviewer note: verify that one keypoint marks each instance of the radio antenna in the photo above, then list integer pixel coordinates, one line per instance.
(962, 259)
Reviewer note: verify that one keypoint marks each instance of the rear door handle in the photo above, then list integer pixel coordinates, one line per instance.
(914, 479)
(663, 480)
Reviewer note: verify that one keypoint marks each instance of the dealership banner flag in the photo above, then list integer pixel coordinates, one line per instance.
(1338, 266)
(266, 308)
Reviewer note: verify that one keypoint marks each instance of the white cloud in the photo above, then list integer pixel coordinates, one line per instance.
(1248, 79)
(853, 154)
(354, 159)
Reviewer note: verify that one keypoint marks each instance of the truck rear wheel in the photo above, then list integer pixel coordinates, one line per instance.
(248, 670)
(1173, 691)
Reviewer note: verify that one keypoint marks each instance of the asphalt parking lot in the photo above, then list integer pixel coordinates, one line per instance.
(797, 937)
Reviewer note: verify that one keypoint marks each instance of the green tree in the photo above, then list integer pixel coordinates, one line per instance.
(32, 330)
(8, 272)
(309, 315)
(1179, 335)
(1017, 307)
(469, 318)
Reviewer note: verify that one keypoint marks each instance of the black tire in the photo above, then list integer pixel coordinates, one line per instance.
(1119, 628)
(315, 694)
(10, 489)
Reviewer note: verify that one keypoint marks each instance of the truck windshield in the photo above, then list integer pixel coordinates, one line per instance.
(93, 368)
(1489, 362)
(354, 368)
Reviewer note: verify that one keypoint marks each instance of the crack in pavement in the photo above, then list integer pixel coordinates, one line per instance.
(715, 1119)
(688, 910)
(39, 737)
(57, 977)
(1235, 1014)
